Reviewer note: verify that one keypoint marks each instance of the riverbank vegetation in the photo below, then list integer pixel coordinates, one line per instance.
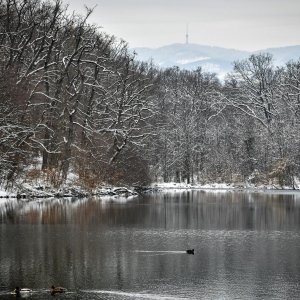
(75, 102)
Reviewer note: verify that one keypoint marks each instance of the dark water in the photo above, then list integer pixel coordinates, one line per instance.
(247, 246)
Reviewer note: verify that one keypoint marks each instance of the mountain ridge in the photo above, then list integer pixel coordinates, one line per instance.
(211, 58)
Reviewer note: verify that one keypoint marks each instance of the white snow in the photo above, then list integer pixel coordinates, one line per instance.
(6, 194)
(297, 182)
(224, 186)
(3, 193)
(182, 185)
(192, 60)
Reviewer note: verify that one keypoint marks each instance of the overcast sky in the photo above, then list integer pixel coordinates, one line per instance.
(239, 24)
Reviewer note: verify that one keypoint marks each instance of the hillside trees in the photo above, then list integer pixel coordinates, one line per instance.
(14, 127)
(262, 94)
(77, 101)
(213, 132)
(290, 141)
(187, 102)
(84, 91)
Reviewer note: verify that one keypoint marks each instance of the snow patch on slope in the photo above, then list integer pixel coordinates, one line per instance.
(192, 60)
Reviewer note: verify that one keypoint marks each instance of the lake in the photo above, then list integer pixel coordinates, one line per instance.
(247, 246)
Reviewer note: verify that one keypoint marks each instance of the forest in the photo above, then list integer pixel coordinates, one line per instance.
(75, 101)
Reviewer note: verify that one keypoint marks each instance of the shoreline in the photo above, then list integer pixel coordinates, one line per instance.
(237, 189)
(225, 187)
(40, 192)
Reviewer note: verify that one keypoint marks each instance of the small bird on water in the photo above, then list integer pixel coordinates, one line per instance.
(57, 290)
(190, 251)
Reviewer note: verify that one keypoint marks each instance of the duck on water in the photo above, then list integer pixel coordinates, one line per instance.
(57, 290)
(190, 251)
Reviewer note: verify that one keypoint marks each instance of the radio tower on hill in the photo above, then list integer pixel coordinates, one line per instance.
(187, 34)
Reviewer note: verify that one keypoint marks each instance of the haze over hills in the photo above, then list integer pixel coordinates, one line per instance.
(213, 59)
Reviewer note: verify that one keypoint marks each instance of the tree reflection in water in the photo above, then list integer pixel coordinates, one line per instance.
(246, 245)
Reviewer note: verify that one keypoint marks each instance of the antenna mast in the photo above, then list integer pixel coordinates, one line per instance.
(187, 34)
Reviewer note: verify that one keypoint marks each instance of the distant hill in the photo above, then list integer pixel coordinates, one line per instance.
(283, 54)
(213, 59)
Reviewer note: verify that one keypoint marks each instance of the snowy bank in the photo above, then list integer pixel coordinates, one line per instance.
(223, 186)
(43, 191)
(182, 185)
(72, 190)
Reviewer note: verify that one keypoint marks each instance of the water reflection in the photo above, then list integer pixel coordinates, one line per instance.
(246, 246)
(190, 210)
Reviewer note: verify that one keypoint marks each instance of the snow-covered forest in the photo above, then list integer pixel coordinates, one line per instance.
(74, 101)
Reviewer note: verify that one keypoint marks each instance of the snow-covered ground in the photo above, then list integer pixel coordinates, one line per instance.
(224, 186)
(182, 185)
(6, 194)
(72, 189)
(43, 191)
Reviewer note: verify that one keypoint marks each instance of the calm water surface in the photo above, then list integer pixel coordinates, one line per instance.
(247, 246)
